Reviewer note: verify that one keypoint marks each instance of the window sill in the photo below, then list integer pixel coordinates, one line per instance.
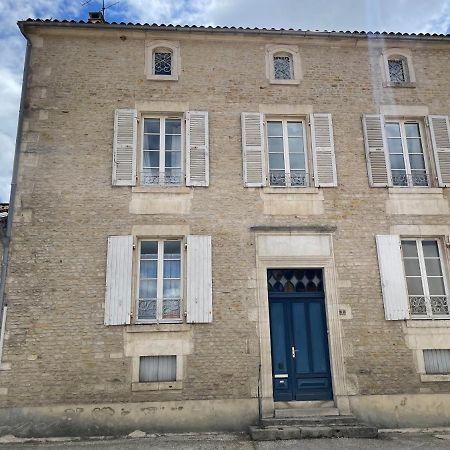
(162, 189)
(290, 190)
(428, 322)
(425, 378)
(415, 190)
(158, 386)
(291, 82)
(162, 77)
(146, 327)
(399, 85)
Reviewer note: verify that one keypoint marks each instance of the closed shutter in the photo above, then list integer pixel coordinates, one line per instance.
(118, 280)
(199, 279)
(324, 160)
(393, 281)
(254, 170)
(197, 148)
(124, 148)
(440, 138)
(376, 151)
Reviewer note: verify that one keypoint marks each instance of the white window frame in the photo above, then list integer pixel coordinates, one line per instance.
(284, 121)
(153, 47)
(424, 279)
(160, 279)
(162, 150)
(426, 153)
(404, 55)
(283, 50)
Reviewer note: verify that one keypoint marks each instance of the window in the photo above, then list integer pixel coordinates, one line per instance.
(398, 70)
(288, 165)
(160, 287)
(157, 368)
(283, 65)
(425, 280)
(162, 60)
(437, 362)
(406, 153)
(162, 151)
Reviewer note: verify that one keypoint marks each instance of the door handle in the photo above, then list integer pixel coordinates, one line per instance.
(293, 351)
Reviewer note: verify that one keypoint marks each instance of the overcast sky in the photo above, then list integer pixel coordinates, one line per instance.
(411, 16)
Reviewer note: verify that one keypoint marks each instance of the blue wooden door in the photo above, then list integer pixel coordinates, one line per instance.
(300, 357)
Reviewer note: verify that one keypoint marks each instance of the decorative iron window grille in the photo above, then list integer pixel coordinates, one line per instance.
(294, 280)
(162, 63)
(397, 70)
(282, 66)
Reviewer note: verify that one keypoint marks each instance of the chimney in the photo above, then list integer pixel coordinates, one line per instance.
(96, 17)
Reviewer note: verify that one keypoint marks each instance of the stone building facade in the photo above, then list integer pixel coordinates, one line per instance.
(175, 182)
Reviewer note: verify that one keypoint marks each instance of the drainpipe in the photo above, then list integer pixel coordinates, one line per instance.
(12, 197)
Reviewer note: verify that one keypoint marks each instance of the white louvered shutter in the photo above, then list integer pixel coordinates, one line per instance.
(440, 138)
(124, 148)
(254, 170)
(392, 274)
(118, 280)
(378, 167)
(197, 148)
(199, 279)
(324, 160)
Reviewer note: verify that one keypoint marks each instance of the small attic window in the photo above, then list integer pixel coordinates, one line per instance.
(162, 62)
(283, 67)
(398, 69)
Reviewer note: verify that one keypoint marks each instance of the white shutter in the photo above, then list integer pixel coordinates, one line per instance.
(124, 148)
(324, 160)
(253, 149)
(197, 148)
(440, 138)
(118, 280)
(393, 281)
(199, 279)
(378, 167)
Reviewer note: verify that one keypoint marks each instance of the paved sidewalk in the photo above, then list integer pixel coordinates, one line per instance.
(389, 441)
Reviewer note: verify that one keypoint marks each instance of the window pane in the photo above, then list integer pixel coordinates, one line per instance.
(151, 159)
(298, 178)
(151, 126)
(295, 144)
(277, 178)
(163, 63)
(276, 161)
(395, 145)
(433, 266)
(171, 308)
(171, 288)
(399, 178)
(295, 129)
(173, 159)
(172, 249)
(275, 144)
(436, 286)
(392, 129)
(173, 126)
(414, 145)
(274, 129)
(172, 268)
(417, 162)
(396, 71)
(150, 249)
(151, 141)
(147, 309)
(414, 285)
(282, 67)
(173, 142)
(148, 268)
(419, 178)
(412, 267)
(412, 129)
(397, 162)
(297, 160)
(430, 249)
(148, 369)
(409, 248)
(147, 289)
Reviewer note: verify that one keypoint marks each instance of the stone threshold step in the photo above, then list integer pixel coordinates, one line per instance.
(311, 421)
(305, 412)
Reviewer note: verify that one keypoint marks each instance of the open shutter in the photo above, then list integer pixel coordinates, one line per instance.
(440, 138)
(197, 148)
(199, 279)
(324, 160)
(124, 148)
(253, 149)
(393, 281)
(118, 280)
(376, 150)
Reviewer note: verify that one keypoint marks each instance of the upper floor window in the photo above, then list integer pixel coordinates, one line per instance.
(398, 70)
(283, 64)
(162, 60)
